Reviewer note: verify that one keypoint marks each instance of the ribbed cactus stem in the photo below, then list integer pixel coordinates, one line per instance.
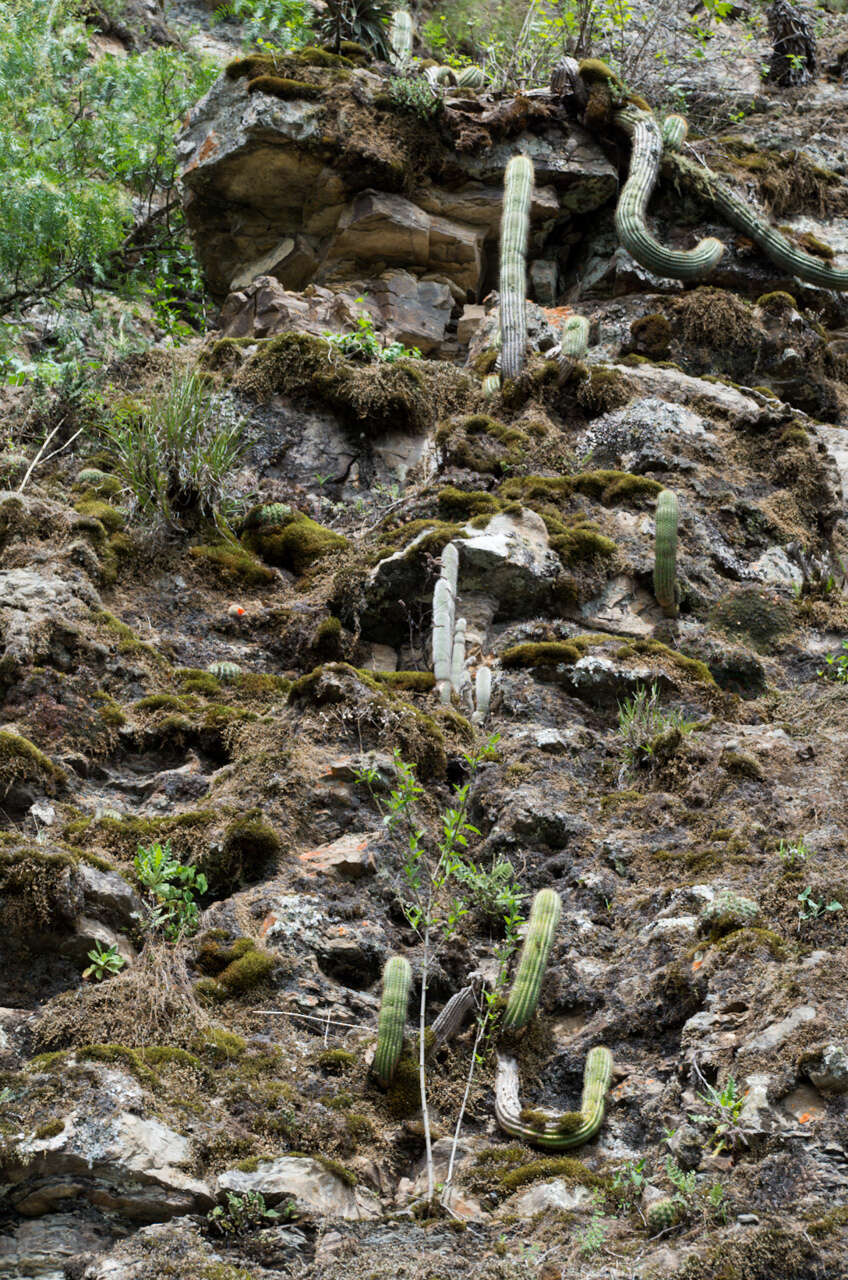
(632, 209)
(439, 75)
(665, 552)
(743, 218)
(482, 694)
(450, 566)
(443, 605)
(471, 77)
(551, 1130)
(491, 384)
(397, 978)
(400, 36)
(574, 338)
(459, 675)
(524, 995)
(515, 228)
(661, 1215)
(674, 131)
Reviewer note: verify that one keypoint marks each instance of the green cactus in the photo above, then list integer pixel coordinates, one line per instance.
(744, 219)
(554, 1132)
(630, 214)
(270, 514)
(524, 995)
(224, 671)
(471, 77)
(92, 477)
(661, 1215)
(674, 131)
(515, 228)
(491, 384)
(665, 553)
(574, 338)
(400, 36)
(397, 978)
(482, 694)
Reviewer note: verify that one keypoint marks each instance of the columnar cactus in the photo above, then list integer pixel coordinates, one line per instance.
(524, 995)
(400, 36)
(459, 672)
(491, 384)
(397, 978)
(631, 212)
(443, 607)
(515, 228)
(573, 340)
(482, 694)
(554, 1132)
(665, 553)
(744, 219)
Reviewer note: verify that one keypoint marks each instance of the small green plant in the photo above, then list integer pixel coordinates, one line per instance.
(641, 723)
(170, 891)
(810, 909)
(365, 22)
(684, 1184)
(365, 343)
(105, 961)
(243, 1213)
(722, 1114)
(415, 95)
(175, 457)
(286, 22)
(591, 1238)
(793, 855)
(629, 1181)
(838, 663)
(717, 1207)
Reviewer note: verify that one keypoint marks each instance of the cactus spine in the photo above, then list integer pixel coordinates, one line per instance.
(665, 553)
(743, 218)
(554, 1132)
(515, 227)
(400, 36)
(397, 978)
(524, 995)
(631, 212)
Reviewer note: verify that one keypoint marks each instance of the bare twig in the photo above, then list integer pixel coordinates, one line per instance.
(38, 458)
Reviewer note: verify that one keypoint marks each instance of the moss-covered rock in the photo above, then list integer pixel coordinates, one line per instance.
(233, 563)
(754, 615)
(293, 542)
(22, 761)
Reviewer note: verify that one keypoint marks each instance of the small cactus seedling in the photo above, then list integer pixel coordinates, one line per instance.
(515, 229)
(524, 995)
(674, 131)
(397, 978)
(661, 1215)
(551, 1130)
(574, 337)
(665, 554)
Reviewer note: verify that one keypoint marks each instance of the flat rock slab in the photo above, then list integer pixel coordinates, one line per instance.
(315, 1188)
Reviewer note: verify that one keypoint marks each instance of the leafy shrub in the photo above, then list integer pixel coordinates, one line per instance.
(364, 22)
(176, 456)
(170, 889)
(415, 95)
(286, 22)
(79, 138)
(244, 1212)
(365, 344)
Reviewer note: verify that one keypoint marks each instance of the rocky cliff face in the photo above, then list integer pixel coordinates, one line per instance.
(225, 687)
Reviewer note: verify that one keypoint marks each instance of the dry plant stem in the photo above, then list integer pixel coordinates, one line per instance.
(422, 1074)
(446, 1194)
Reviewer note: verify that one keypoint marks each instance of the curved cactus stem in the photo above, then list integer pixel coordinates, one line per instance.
(665, 553)
(524, 995)
(515, 229)
(553, 1131)
(400, 36)
(674, 131)
(743, 218)
(397, 979)
(631, 212)
(440, 75)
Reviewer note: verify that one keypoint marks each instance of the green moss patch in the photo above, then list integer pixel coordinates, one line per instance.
(21, 760)
(233, 563)
(608, 487)
(281, 87)
(293, 542)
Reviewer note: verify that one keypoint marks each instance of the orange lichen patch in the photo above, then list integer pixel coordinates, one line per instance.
(556, 315)
(208, 148)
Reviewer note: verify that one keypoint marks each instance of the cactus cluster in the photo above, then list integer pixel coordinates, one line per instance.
(515, 229)
(554, 1132)
(524, 995)
(400, 37)
(449, 639)
(665, 553)
(397, 979)
(631, 211)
